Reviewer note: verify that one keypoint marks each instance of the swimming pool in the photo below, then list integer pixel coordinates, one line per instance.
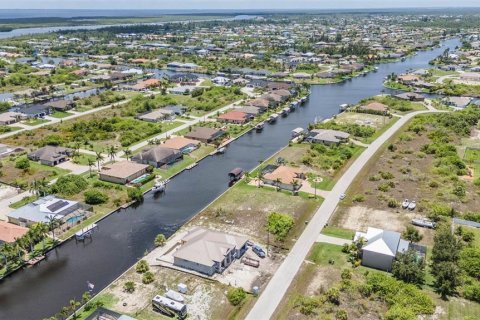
(140, 179)
(75, 218)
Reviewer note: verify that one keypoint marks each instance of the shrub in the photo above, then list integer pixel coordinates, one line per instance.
(307, 305)
(341, 315)
(358, 198)
(279, 224)
(22, 163)
(398, 313)
(472, 291)
(95, 196)
(148, 277)
(236, 296)
(134, 194)
(470, 261)
(333, 296)
(142, 266)
(70, 185)
(129, 286)
(160, 240)
(393, 203)
(386, 175)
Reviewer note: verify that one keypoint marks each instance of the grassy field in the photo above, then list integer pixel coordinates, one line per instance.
(36, 171)
(24, 201)
(61, 114)
(338, 232)
(380, 123)
(34, 122)
(324, 253)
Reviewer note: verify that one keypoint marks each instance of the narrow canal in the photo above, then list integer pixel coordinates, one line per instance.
(123, 237)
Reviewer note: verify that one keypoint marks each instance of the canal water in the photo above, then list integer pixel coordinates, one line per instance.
(123, 237)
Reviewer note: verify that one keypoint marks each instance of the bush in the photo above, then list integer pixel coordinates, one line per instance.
(470, 261)
(95, 196)
(386, 175)
(333, 296)
(472, 291)
(148, 277)
(279, 224)
(142, 266)
(129, 286)
(134, 194)
(22, 163)
(307, 305)
(398, 313)
(70, 185)
(358, 198)
(393, 203)
(236, 296)
(160, 240)
(341, 315)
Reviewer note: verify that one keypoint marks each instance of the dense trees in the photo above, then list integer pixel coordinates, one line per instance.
(279, 224)
(409, 268)
(444, 263)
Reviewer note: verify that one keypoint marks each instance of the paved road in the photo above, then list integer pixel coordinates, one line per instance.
(278, 285)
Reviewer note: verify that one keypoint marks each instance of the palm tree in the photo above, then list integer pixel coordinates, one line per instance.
(53, 223)
(295, 185)
(99, 158)
(33, 187)
(128, 153)
(91, 163)
(112, 152)
(260, 177)
(42, 186)
(277, 182)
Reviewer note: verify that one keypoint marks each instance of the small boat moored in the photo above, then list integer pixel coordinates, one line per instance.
(221, 150)
(160, 186)
(272, 118)
(344, 107)
(259, 127)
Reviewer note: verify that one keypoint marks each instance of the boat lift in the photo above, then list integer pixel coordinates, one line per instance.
(85, 232)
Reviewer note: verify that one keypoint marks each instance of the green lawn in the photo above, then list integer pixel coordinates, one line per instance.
(34, 122)
(61, 114)
(327, 183)
(338, 232)
(322, 253)
(82, 159)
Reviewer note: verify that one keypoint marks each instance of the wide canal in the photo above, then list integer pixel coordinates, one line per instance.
(123, 237)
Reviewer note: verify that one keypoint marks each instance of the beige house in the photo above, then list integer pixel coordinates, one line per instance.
(122, 172)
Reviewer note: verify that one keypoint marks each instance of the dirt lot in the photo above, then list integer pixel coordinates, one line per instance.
(366, 119)
(244, 209)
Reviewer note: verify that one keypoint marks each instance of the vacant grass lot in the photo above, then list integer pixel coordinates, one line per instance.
(245, 208)
(36, 171)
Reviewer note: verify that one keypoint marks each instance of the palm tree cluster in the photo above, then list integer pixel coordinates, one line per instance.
(16, 253)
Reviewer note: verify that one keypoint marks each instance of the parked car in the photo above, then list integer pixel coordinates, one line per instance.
(250, 243)
(258, 251)
(342, 196)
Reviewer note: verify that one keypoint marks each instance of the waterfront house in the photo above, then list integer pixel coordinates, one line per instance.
(457, 102)
(146, 84)
(251, 110)
(209, 252)
(375, 107)
(60, 105)
(122, 172)
(9, 232)
(410, 96)
(260, 103)
(33, 111)
(236, 117)
(44, 208)
(157, 115)
(183, 144)
(382, 246)
(158, 156)
(7, 118)
(327, 136)
(205, 134)
(284, 177)
(51, 155)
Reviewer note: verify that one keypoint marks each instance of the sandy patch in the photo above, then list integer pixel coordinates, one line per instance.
(322, 280)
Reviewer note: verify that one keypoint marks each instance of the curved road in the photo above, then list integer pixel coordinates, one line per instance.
(278, 285)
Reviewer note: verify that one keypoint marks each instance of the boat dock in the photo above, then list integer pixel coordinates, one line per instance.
(85, 232)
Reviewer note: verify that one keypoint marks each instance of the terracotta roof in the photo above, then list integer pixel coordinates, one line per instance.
(285, 174)
(9, 232)
(233, 115)
(179, 142)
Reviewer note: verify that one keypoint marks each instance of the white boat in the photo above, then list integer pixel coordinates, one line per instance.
(221, 150)
(272, 118)
(412, 205)
(160, 186)
(405, 204)
(424, 223)
(259, 127)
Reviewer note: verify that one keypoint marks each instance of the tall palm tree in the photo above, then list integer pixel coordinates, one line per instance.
(128, 153)
(260, 177)
(295, 185)
(42, 186)
(91, 163)
(53, 223)
(112, 152)
(278, 181)
(99, 158)
(33, 187)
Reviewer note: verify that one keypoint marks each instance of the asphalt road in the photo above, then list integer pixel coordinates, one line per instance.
(271, 297)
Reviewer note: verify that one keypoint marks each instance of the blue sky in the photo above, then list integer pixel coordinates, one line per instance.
(229, 4)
